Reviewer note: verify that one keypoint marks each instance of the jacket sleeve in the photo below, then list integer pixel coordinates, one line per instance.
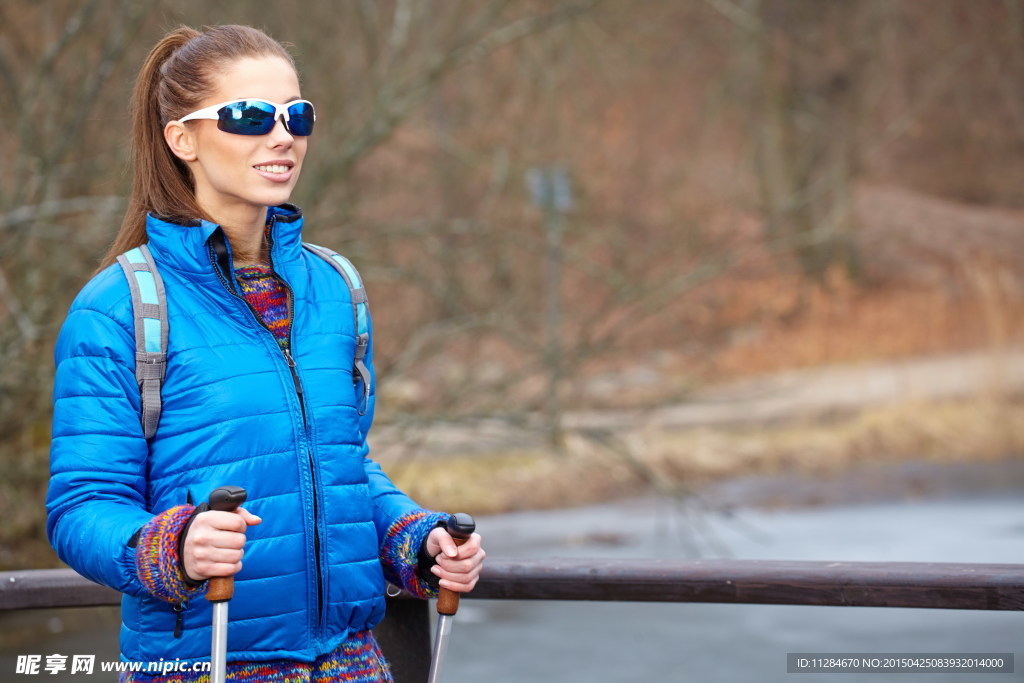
(96, 497)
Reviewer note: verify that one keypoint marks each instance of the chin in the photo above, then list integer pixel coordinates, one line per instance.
(275, 198)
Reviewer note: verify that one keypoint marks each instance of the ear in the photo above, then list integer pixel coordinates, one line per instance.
(181, 140)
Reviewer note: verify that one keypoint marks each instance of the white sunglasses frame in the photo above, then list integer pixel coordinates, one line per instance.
(280, 110)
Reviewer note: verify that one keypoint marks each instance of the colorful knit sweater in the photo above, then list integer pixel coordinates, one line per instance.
(358, 660)
(159, 566)
(267, 296)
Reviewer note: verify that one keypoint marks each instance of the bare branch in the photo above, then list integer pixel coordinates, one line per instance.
(26, 327)
(15, 38)
(400, 25)
(72, 28)
(113, 51)
(30, 133)
(30, 213)
(369, 23)
(7, 73)
(740, 16)
(394, 102)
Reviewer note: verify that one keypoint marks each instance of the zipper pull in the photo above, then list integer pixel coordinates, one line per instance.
(295, 375)
(179, 622)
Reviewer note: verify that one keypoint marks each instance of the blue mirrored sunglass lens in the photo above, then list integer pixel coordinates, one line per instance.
(246, 117)
(300, 118)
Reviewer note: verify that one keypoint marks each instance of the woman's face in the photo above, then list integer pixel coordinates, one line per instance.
(238, 176)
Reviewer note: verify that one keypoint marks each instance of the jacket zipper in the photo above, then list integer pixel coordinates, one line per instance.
(312, 474)
(293, 369)
(179, 620)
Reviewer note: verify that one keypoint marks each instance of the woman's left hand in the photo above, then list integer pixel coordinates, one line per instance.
(458, 566)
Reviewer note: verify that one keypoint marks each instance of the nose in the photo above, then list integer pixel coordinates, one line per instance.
(279, 134)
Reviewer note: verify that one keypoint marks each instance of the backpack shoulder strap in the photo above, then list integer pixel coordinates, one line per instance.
(149, 307)
(360, 312)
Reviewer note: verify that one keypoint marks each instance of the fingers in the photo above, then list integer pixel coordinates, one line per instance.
(434, 539)
(440, 542)
(460, 571)
(211, 563)
(216, 520)
(250, 519)
(214, 544)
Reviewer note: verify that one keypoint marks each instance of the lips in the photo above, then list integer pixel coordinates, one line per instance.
(278, 171)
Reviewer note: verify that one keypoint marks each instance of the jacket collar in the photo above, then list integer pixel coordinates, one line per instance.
(186, 247)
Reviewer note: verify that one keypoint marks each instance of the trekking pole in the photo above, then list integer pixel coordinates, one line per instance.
(221, 588)
(460, 527)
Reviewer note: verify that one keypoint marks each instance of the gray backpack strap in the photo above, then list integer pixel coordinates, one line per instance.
(149, 304)
(360, 311)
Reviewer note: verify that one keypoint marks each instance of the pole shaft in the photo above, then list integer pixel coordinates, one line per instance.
(444, 631)
(219, 648)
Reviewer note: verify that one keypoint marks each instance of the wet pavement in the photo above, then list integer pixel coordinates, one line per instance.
(948, 514)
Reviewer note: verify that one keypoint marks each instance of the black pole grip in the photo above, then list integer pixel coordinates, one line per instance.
(224, 499)
(460, 527)
(227, 498)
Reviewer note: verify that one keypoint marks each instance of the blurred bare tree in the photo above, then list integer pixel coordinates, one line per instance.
(56, 61)
(710, 145)
(68, 66)
(804, 66)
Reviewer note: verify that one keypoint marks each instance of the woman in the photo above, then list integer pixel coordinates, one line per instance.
(259, 392)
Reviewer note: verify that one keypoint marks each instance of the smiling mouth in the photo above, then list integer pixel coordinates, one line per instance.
(273, 168)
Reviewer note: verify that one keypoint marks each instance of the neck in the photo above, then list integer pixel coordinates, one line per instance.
(247, 249)
(247, 235)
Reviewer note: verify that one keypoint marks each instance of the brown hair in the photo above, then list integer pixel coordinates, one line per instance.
(174, 79)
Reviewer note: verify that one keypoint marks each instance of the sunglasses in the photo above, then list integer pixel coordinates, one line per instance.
(258, 117)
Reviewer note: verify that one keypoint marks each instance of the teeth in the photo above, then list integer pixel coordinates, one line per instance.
(273, 168)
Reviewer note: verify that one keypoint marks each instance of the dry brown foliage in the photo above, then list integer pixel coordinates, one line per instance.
(758, 185)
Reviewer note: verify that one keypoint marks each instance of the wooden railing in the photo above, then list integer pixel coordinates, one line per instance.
(405, 634)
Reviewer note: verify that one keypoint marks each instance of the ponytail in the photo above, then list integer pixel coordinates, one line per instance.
(175, 78)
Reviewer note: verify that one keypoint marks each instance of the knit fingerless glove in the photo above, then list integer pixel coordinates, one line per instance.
(157, 560)
(403, 549)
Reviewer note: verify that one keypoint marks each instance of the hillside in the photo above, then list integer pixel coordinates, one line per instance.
(925, 361)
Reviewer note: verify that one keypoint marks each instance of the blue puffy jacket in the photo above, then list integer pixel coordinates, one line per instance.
(233, 413)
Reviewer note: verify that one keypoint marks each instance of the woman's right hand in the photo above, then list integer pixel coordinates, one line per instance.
(214, 542)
